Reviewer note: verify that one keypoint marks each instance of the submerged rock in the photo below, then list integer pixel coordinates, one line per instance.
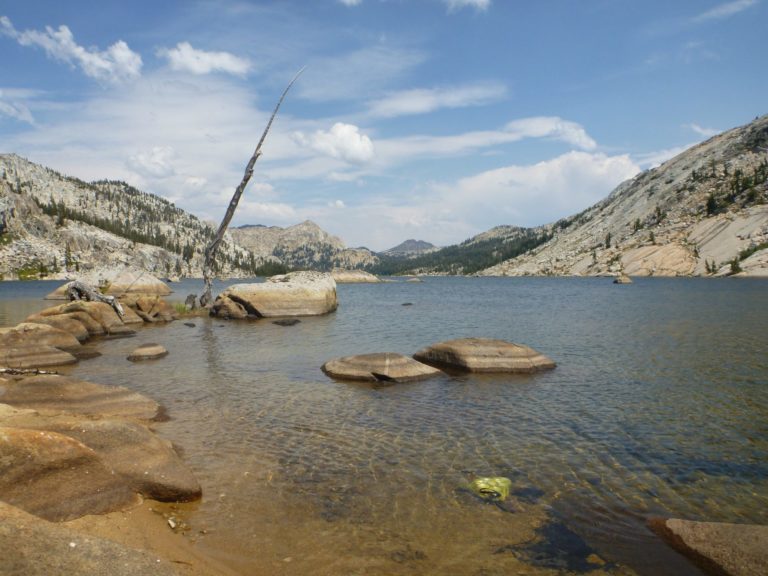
(30, 546)
(379, 367)
(148, 351)
(484, 355)
(56, 477)
(718, 547)
(294, 294)
(622, 279)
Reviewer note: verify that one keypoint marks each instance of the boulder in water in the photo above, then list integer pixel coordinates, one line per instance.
(378, 367)
(293, 294)
(341, 276)
(149, 351)
(484, 355)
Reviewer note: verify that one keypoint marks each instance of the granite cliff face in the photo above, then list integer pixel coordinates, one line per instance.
(704, 212)
(303, 246)
(57, 224)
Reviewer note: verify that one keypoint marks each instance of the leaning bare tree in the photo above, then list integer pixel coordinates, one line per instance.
(213, 247)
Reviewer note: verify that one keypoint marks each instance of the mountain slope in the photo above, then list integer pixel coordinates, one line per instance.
(703, 212)
(52, 223)
(411, 248)
(304, 246)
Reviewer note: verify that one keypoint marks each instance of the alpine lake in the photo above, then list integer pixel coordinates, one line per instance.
(658, 408)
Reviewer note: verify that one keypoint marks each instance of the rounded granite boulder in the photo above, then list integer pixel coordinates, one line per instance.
(484, 355)
(149, 351)
(378, 367)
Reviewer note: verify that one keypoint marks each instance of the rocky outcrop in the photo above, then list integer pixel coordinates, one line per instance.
(147, 463)
(55, 477)
(304, 245)
(118, 282)
(31, 334)
(354, 277)
(484, 355)
(379, 367)
(693, 215)
(719, 548)
(34, 356)
(294, 294)
(30, 546)
(64, 394)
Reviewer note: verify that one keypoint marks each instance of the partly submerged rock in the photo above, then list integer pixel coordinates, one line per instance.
(353, 277)
(718, 547)
(294, 294)
(32, 334)
(494, 488)
(56, 477)
(381, 367)
(622, 279)
(484, 355)
(149, 351)
(34, 357)
(31, 546)
(63, 394)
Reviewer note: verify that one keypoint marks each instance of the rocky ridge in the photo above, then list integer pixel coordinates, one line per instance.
(303, 246)
(704, 212)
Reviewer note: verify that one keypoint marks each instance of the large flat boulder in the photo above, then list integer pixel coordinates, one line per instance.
(718, 547)
(118, 282)
(294, 294)
(32, 334)
(30, 546)
(64, 394)
(56, 477)
(63, 322)
(101, 312)
(484, 355)
(379, 367)
(34, 357)
(148, 464)
(353, 277)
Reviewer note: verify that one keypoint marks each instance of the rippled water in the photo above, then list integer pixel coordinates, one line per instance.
(659, 406)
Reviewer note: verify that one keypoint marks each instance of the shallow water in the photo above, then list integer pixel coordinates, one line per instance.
(658, 407)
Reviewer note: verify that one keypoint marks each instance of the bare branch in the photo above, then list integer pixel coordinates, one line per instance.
(212, 248)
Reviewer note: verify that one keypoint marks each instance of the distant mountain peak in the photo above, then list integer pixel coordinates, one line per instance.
(411, 247)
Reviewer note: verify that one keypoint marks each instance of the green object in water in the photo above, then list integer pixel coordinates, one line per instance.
(495, 488)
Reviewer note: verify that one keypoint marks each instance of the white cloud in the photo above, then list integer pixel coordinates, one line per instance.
(188, 59)
(552, 127)
(351, 2)
(342, 141)
(656, 158)
(195, 181)
(15, 110)
(701, 131)
(257, 211)
(117, 63)
(725, 10)
(420, 101)
(157, 162)
(454, 5)
(336, 204)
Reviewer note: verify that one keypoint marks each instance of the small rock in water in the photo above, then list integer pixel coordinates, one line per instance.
(287, 322)
(148, 352)
(190, 324)
(407, 303)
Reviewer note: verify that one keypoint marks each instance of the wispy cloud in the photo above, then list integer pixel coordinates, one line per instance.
(117, 63)
(188, 59)
(350, 2)
(16, 110)
(701, 131)
(424, 100)
(725, 10)
(479, 5)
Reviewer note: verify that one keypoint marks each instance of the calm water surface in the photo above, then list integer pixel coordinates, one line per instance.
(658, 407)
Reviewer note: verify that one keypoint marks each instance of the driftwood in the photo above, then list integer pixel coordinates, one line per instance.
(212, 248)
(77, 290)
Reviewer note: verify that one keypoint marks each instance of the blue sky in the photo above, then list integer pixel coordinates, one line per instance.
(428, 119)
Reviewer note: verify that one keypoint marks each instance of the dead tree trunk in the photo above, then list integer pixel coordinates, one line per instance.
(212, 248)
